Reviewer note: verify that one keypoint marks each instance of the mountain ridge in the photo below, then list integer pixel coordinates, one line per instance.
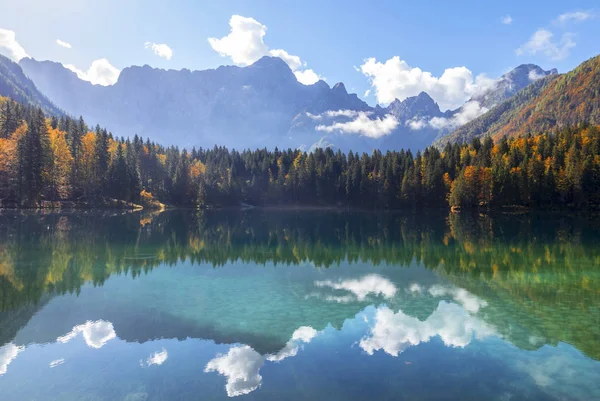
(555, 101)
(261, 105)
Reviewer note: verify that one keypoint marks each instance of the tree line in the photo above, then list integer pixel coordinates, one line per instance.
(60, 158)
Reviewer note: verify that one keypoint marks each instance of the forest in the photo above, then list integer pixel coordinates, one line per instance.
(49, 159)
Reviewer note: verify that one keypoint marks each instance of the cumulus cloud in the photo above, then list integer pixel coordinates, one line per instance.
(293, 61)
(96, 334)
(101, 72)
(308, 77)
(507, 20)
(241, 365)
(367, 93)
(469, 302)
(56, 362)
(395, 332)
(577, 16)
(364, 125)
(245, 44)
(9, 42)
(8, 353)
(395, 79)
(160, 49)
(362, 287)
(157, 358)
(304, 334)
(63, 44)
(543, 42)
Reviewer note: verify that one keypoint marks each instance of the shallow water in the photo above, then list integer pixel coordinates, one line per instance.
(299, 305)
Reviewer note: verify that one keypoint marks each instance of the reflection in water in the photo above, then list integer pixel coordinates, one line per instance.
(57, 362)
(241, 365)
(158, 358)
(95, 334)
(223, 292)
(360, 288)
(470, 302)
(395, 332)
(8, 352)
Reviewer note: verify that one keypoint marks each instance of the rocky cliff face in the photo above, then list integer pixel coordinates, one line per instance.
(262, 105)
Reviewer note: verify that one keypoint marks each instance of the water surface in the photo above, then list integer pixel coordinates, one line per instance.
(299, 306)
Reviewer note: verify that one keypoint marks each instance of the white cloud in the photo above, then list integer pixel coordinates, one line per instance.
(95, 334)
(396, 79)
(364, 125)
(534, 75)
(362, 287)
(470, 302)
(507, 20)
(577, 16)
(160, 49)
(367, 93)
(241, 366)
(417, 124)
(245, 44)
(542, 42)
(8, 41)
(395, 332)
(304, 334)
(63, 44)
(56, 362)
(101, 72)
(334, 114)
(157, 358)
(469, 111)
(8, 353)
(308, 77)
(293, 61)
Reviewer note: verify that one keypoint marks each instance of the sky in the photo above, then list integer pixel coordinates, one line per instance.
(381, 50)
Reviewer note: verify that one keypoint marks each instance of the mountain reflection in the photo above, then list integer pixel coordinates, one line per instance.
(530, 279)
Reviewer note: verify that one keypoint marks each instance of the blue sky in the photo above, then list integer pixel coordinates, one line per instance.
(331, 38)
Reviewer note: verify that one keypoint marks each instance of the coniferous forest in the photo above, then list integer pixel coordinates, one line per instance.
(50, 158)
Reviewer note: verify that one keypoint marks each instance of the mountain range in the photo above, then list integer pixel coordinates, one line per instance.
(14, 84)
(555, 101)
(261, 105)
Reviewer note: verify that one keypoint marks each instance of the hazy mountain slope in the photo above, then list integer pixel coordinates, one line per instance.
(232, 106)
(511, 83)
(261, 105)
(14, 84)
(498, 116)
(556, 101)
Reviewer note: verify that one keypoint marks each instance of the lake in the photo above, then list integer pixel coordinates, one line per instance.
(288, 305)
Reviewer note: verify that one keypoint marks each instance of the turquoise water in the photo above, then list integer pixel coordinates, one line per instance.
(299, 305)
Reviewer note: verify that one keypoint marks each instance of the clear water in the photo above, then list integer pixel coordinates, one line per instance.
(299, 306)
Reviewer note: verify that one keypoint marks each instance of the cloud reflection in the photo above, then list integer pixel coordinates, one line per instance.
(395, 332)
(8, 353)
(95, 334)
(359, 288)
(241, 365)
(158, 358)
